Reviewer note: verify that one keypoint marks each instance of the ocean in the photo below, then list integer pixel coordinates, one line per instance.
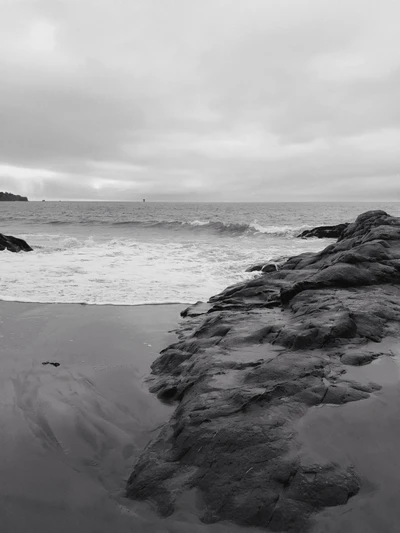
(152, 253)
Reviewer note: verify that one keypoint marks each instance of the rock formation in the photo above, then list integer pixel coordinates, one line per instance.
(13, 244)
(9, 197)
(251, 362)
(263, 267)
(267, 266)
(324, 232)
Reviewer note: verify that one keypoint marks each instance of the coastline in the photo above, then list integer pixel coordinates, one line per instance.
(109, 253)
(266, 392)
(93, 304)
(261, 358)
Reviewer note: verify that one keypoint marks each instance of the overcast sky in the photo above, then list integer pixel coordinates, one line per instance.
(257, 100)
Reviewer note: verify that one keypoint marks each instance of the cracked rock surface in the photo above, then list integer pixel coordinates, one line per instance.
(251, 362)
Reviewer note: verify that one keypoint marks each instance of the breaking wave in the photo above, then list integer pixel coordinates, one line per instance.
(216, 227)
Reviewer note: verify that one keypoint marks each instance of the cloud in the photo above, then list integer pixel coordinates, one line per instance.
(200, 100)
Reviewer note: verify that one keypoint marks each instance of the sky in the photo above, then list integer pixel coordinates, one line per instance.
(200, 100)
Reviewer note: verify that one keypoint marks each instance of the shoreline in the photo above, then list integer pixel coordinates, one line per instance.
(155, 304)
(71, 434)
(264, 396)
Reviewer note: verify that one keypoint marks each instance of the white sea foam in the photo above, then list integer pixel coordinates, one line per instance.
(129, 271)
(117, 272)
(199, 222)
(138, 253)
(284, 231)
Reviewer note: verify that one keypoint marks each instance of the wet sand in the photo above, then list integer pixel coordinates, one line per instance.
(365, 434)
(70, 435)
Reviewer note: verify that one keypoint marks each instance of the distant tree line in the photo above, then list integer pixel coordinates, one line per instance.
(9, 197)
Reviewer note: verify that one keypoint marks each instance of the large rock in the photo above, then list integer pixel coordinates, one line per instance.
(324, 232)
(248, 366)
(13, 244)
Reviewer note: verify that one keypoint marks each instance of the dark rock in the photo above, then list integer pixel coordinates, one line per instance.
(197, 309)
(255, 268)
(359, 359)
(9, 197)
(264, 267)
(247, 367)
(13, 244)
(324, 232)
(270, 267)
(337, 395)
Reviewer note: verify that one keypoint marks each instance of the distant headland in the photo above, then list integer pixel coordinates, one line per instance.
(9, 197)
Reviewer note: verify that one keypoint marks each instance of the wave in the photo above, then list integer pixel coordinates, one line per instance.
(231, 228)
(234, 229)
(128, 267)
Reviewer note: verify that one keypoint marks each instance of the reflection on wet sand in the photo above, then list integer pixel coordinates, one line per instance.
(365, 434)
(70, 434)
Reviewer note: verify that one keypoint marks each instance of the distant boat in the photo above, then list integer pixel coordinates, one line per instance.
(144, 199)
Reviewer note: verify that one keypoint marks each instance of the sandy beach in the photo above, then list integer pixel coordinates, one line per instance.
(274, 405)
(200, 266)
(70, 434)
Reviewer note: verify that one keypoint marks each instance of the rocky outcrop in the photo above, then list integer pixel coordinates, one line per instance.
(324, 232)
(13, 244)
(9, 197)
(250, 363)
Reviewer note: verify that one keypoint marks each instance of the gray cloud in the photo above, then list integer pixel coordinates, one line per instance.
(217, 99)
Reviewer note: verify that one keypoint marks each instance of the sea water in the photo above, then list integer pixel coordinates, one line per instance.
(144, 253)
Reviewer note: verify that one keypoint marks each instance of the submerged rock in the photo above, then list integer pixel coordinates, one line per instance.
(324, 232)
(13, 244)
(263, 267)
(249, 364)
(255, 268)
